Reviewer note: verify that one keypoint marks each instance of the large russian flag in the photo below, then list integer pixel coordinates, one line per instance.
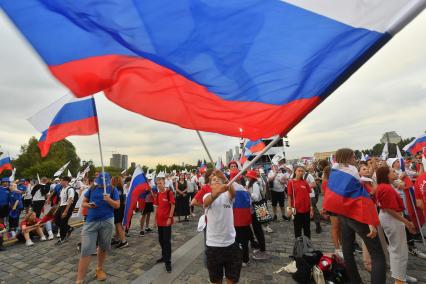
(250, 68)
(138, 186)
(5, 163)
(346, 196)
(66, 117)
(416, 145)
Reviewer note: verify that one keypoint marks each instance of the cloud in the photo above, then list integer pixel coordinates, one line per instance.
(387, 93)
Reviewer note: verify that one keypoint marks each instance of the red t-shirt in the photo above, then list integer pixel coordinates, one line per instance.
(47, 218)
(24, 222)
(420, 188)
(163, 204)
(302, 201)
(388, 198)
(324, 187)
(203, 191)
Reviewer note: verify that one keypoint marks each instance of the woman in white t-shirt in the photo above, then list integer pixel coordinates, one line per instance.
(223, 254)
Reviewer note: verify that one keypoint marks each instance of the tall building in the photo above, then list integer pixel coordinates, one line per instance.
(119, 161)
(391, 137)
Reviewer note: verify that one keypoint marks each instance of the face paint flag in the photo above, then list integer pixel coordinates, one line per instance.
(346, 196)
(5, 163)
(416, 145)
(256, 65)
(67, 116)
(138, 186)
(400, 158)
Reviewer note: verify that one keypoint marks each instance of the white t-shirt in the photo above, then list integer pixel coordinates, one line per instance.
(38, 196)
(220, 222)
(202, 180)
(64, 195)
(27, 194)
(278, 186)
(169, 183)
(192, 185)
(255, 192)
(310, 179)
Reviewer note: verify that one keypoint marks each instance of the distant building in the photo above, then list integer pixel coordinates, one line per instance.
(391, 137)
(229, 155)
(323, 155)
(119, 161)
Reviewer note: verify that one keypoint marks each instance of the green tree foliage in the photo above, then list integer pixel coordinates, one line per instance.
(378, 148)
(30, 162)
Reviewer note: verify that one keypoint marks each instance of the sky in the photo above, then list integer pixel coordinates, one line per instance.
(387, 93)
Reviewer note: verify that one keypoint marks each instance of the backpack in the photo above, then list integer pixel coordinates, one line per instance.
(302, 246)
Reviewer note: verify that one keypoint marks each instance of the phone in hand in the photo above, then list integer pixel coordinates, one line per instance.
(92, 204)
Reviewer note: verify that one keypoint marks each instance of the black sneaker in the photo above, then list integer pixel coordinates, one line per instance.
(356, 248)
(122, 245)
(275, 218)
(71, 229)
(168, 267)
(160, 260)
(285, 218)
(142, 233)
(60, 242)
(147, 229)
(115, 242)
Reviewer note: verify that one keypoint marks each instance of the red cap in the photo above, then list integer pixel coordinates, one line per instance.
(251, 174)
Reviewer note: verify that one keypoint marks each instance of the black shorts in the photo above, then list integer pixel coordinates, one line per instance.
(277, 197)
(149, 207)
(27, 203)
(119, 215)
(4, 211)
(220, 259)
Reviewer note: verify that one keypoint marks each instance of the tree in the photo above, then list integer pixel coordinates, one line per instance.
(30, 162)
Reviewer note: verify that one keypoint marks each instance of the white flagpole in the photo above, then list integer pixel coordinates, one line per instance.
(205, 147)
(257, 157)
(100, 150)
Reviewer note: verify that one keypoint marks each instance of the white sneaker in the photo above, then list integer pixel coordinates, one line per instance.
(43, 238)
(13, 234)
(58, 235)
(50, 236)
(268, 229)
(417, 252)
(245, 264)
(29, 243)
(338, 253)
(410, 279)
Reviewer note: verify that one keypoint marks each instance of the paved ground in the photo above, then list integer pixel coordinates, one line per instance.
(47, 263)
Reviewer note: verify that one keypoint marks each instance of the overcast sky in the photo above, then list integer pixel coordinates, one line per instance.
(387, 93)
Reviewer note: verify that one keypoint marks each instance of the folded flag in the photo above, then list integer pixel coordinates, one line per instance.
(5, 163)
(254, 67)
(138, 186)
(416, 145)
(66, 117)
(346, 196)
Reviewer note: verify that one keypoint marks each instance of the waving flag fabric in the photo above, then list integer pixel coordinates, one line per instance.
(203, 167)
(346, 196)
(258, 66)
(66, 117)
(61, 170)
(400, 158)
(138, 186)
(385, 152)
(5, 163)
(416, 145)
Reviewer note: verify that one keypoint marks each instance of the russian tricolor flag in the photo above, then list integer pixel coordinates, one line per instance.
(255, 147)
(138, 186)
(256, 67)
(67, 116)
(416, 145)
(241, 206)
(5, 163)
(346, 196)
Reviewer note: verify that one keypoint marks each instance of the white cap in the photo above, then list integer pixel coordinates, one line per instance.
(391, 161)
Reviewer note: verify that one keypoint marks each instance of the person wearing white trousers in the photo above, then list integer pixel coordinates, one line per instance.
(393, 223)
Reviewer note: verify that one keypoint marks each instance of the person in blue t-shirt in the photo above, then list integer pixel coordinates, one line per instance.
(4, 199)
(99, 225)
(16, 205)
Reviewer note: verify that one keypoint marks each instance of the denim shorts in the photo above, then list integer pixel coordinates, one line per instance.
(96, 233)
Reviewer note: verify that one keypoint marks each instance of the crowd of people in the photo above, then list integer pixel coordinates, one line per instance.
(233, 221)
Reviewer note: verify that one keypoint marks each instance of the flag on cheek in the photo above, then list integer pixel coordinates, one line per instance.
(346, 196)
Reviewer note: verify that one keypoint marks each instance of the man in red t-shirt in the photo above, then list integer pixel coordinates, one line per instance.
(420, 186)
(165, 202)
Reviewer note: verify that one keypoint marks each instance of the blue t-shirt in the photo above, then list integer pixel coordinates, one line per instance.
(4, 196)
(22, 187)
(103, 210)
(14, 196)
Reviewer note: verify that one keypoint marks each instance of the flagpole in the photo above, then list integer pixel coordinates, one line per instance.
(205, 147)
(100, 149)
(417, 216)
(257, 157)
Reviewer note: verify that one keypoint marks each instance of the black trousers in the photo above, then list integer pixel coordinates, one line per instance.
(165, 237)
(317, 215)
(37, 207)
(378, 261)
(258, 232)
(302, 221)
(62, 223)
(242, 238)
